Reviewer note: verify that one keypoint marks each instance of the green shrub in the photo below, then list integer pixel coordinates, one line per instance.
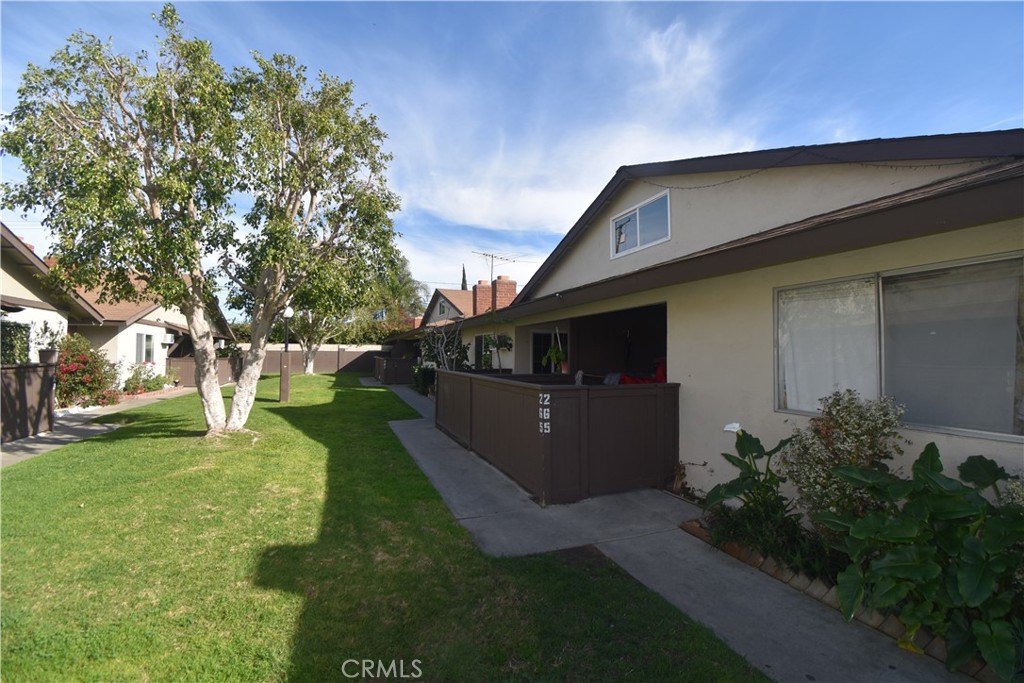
(767, 520)
(143, 378)
(13, 343)
(423, 379)
(937, 553)
(83, 374)
(850, 431)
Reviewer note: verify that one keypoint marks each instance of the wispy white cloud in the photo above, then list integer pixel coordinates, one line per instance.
(467, 162)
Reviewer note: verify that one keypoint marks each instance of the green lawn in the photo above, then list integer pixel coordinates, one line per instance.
(153, 553)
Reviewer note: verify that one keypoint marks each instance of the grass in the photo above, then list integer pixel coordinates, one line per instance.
(153, 553)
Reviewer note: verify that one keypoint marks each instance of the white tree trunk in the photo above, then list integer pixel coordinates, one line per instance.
(309, 358)
(252, 366)
(207, 383)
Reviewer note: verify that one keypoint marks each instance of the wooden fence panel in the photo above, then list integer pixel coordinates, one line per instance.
(26, 404)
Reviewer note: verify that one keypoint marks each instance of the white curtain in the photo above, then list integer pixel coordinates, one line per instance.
(827, 341)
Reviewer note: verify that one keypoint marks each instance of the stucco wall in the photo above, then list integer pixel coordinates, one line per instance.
(721, 348)
(722, 211)
(721, 335)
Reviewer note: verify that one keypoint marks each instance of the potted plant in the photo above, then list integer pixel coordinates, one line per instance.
(46, 339)
(557, 357)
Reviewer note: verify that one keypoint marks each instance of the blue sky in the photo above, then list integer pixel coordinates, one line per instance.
(506, 119)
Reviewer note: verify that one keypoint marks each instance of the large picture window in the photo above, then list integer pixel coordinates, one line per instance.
(641, 226)
(945, 342)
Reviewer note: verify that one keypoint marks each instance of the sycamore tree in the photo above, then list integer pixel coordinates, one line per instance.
(137, 162)
(133, 160)
(313, 164)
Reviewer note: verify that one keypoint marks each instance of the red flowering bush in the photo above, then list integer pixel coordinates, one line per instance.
(84, 377)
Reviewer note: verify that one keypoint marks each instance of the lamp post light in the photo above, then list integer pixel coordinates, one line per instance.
(286, 370)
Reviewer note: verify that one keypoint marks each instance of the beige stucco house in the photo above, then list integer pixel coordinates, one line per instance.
(27, 301)
(766, 280)
(128, 333)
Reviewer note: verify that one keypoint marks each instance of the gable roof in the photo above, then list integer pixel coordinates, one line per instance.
(14, 250)
(1005, 145)
(459, 299)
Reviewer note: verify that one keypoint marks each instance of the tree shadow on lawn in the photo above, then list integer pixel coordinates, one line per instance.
(148, 426)
(356, 588)
(392, 578)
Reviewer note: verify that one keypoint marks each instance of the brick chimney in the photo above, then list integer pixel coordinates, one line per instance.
(503, 292)
(482, 299)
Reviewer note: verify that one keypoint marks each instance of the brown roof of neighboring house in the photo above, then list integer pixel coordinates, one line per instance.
(126, 312)
(462, 299)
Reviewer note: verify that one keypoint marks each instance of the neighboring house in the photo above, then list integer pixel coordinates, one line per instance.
(141, 332)
(29, 302)
(127, 332)
(766, 280)
(453, 305)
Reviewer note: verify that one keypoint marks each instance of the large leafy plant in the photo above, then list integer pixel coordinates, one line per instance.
(942, 556)
(767, 520)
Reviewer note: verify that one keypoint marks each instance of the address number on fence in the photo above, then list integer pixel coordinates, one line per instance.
(544, 414)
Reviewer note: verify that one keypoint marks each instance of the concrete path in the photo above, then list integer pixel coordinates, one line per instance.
(790, 636)
(71, 427)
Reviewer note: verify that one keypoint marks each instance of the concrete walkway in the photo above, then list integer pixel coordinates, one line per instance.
(71, 427)
(788, 635)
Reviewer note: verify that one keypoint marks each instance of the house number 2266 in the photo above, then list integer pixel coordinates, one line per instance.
(544, 414)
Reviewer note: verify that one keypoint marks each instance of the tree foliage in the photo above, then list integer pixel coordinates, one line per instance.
(137, 161)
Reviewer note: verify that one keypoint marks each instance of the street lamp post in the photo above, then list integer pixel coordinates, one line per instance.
(286, 370)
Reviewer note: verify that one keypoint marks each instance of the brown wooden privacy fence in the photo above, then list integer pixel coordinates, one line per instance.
(563, 442)
(349, 360)
(27, 400)
(227, 370)
(393, 370)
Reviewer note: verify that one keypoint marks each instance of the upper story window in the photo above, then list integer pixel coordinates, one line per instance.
(641, 226)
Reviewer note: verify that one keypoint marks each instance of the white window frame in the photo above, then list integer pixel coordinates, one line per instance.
(636, 208)
(879, 276)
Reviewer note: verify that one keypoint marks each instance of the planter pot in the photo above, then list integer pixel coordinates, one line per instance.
(48, 356)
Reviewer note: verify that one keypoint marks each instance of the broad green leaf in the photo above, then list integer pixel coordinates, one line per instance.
(981, 471)
(955, 506)
(901, 529)
(1004, 530)
(724, 492)
(995, 641)
(928, 461)
(779, 446)
(960, 642)
(999, 605)
(908, 562)
(975, 576)
(888, 591)
(850, 590)
(748, 445)
(940, 482)
(739, 463)
(950, 538)
(869, 525)
(887, 487)
(917, 613)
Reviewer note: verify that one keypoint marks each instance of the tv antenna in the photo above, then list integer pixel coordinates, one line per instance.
(491, 258)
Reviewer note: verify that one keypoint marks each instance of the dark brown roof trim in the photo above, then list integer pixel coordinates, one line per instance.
(987, 145)
(30, 258)
(990, 195)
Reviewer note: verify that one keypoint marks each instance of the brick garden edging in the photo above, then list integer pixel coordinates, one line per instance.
(933, 646)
